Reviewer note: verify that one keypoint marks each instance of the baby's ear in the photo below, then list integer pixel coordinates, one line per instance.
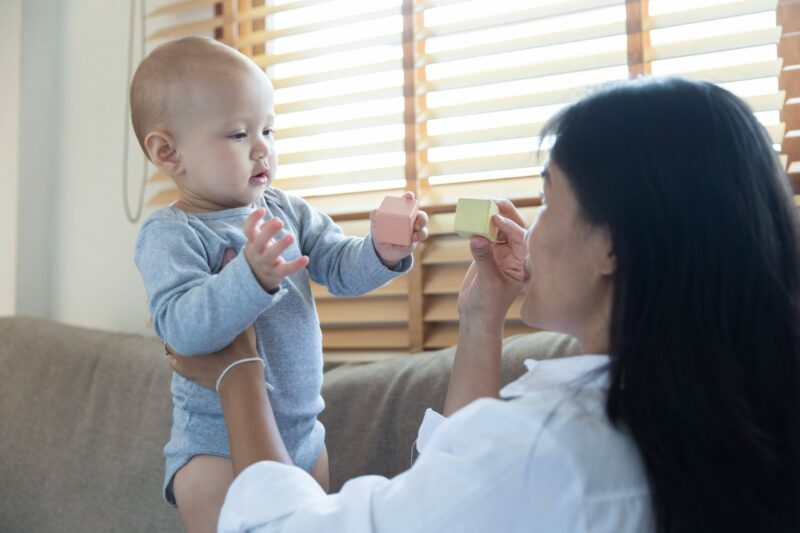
(161, 149)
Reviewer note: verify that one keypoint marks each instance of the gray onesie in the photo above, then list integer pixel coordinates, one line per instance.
(197, 307)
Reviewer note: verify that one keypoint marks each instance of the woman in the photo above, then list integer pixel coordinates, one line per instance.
(668, 246)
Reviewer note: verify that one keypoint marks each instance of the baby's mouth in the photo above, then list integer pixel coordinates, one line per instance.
(260, 178)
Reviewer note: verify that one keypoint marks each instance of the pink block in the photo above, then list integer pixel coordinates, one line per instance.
(394, 220)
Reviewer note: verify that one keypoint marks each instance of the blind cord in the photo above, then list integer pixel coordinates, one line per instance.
(132, 218)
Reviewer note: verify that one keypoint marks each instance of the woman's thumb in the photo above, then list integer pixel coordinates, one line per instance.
(481, 250)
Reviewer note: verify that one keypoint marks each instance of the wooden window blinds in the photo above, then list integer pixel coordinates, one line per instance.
(446, 98)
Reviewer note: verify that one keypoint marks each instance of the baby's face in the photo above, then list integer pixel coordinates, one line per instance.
(225, 141)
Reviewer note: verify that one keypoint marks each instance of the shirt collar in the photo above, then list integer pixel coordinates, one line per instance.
(571, 372)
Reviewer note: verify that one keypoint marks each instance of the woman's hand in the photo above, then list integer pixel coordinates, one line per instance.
(205, 369)
(497, 273)
(253, 434)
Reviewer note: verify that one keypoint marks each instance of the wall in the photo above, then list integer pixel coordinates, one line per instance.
(10, 44)
(77, 266)
(38, 133)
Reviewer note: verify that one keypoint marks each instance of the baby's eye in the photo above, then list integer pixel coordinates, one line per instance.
(238, 136)
(267, 133)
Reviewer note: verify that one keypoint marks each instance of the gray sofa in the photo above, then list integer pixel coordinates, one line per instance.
(84, 415)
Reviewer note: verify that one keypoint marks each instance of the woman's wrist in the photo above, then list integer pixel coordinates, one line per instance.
(473, 323)
(238, 375)
(252, 431)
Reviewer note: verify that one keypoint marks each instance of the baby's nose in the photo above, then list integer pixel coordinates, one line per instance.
(259, 151)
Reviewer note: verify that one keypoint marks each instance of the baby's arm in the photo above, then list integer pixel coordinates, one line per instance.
(348, 266)
(193, 309)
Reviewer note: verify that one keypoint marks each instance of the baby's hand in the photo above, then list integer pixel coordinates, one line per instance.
(391, 254)
(263, 254)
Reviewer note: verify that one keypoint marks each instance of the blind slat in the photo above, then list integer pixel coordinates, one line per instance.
(529, 71)
(357, 203)
(518, 188)
(270, 35)
(714, 44)
(748, 71)
(776, 132)
(340, 125)
(354, 338)
(314, 52)
(316, 77)
(362, 310)
(349, 98)
(189, 28)
(178, 7)
(512, 17)
(444, 309)
(703, 14)
(480, 164)
(482, 135)
(341, 178)
(398, 287)
(444, 335)
(343, 151)
(514, 45)
(441, 251)
(560, 96)
(444, 279)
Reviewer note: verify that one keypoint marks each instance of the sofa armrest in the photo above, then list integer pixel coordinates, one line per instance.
(373, 411)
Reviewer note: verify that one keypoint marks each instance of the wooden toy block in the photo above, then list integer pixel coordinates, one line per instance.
(394, 220)
(474, 217)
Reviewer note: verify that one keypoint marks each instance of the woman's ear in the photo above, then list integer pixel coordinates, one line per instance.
(161, 149)
(603, 251)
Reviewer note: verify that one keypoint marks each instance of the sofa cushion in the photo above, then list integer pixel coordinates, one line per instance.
(374, 410)
(84, 415)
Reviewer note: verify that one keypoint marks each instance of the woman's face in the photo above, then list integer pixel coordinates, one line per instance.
(571, 266)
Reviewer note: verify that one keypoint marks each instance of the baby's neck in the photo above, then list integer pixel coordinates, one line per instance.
(201, 205)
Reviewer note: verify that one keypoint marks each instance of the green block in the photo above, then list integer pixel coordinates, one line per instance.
(474, 217)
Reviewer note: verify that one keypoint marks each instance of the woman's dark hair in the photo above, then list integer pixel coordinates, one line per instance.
(705, 320)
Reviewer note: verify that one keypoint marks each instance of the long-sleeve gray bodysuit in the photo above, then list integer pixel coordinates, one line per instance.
(197, 307)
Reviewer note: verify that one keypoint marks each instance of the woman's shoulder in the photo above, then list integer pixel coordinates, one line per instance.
(560, 426)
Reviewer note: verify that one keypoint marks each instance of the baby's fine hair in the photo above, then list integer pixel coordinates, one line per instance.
(159, 84)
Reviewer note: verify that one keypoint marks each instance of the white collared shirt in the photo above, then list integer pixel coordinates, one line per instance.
(545, 460)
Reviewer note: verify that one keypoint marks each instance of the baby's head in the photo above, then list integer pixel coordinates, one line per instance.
(203, 114)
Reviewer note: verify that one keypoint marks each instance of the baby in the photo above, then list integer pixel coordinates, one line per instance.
(203, 114)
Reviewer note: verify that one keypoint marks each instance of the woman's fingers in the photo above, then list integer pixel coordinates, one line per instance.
(508, 210)
(511, 230)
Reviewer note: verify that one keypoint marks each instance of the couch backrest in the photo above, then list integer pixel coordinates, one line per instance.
(84, 415)
(374, 410)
